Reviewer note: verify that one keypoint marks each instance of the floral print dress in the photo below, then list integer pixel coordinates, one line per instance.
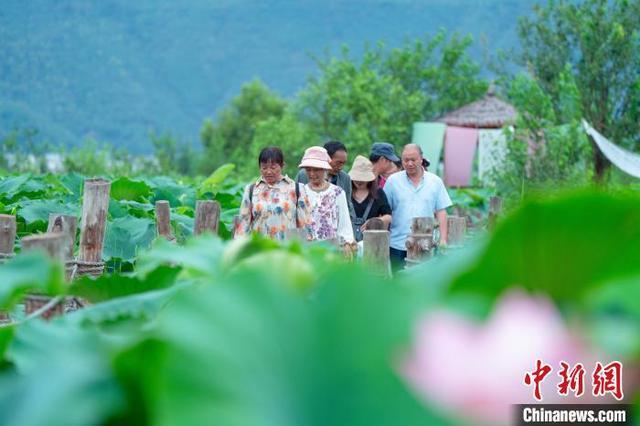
(330, 214)
(272, 210)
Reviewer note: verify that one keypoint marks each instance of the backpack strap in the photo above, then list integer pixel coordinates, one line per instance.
(368, 209)
(297, 198)
(251, 188)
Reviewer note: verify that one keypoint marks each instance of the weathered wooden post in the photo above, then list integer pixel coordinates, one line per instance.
(375, 223)
(420, 242)
(163, 220)
(7, 235)
(7, 243)
(95, 206)
(207, 217)
(54, 244)
(68, 225)
(495, 208)
(375, 252)
(457, 228)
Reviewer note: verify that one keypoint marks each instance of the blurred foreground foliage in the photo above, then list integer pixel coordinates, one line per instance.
(253, 332)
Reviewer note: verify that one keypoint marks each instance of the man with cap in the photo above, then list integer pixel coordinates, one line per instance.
(338, 155)
(414, 192)
(383, 157)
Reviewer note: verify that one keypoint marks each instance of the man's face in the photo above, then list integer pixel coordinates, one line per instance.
(338, 161)
(412, 161)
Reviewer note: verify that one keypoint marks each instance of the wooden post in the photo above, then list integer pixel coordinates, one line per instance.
(457, 227)
(495, 208)
(7, 243)
(55, 245)
(163, 220)
(95, 206)
(376, 224)
(68, 225)
(207, 217)
(420, 242)
(7, 233)
(375, 252)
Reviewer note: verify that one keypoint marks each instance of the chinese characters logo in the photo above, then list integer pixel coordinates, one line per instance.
(605, 379)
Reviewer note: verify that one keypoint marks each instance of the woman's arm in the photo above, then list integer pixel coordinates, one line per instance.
(243, 226)
(304, 213)
(345, 230)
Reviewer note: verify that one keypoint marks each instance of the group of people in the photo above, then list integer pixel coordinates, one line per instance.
(326, 203)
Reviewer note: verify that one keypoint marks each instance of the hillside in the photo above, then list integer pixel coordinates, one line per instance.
(116, 70)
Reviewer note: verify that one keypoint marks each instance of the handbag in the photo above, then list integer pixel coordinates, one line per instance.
(359, 221)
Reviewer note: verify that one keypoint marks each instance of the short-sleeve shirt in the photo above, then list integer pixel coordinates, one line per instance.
(272, 209)
(330, 214)
(408, 201)
(380, 206)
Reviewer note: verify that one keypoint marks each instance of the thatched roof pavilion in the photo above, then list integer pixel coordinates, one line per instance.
(487, 113)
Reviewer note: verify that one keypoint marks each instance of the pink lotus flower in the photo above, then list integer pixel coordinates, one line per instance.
(477, 371)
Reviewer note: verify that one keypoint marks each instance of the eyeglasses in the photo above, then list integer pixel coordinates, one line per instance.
(272, 167)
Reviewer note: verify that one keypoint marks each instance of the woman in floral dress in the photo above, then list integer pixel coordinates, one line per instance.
(274, 203)
(329, 209)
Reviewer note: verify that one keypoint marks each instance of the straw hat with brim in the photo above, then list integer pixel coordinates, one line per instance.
(316, 157)
(362, 170)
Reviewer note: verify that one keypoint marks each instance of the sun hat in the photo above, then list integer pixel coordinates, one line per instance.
(362, 170)
(316, 157)
(384, 149)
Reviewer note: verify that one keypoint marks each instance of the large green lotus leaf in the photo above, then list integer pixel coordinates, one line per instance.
(108, 287)
(62, 377)
(562, 247)
(252, 352)
(137, 209)
(165, 188)
(127, 236)
(116, 209)
(134, 309)
(198, 257)
(38, 210)
(32, 271)
(128, 189)
(21, 186)
(6, 336)
(214, 182)
(183, 225)
(612, 315)
(74, 183)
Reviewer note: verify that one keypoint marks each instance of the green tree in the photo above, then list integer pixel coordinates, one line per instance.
(228, 138)
(286, 132)
(547, 148)
(600, 41)
(165, 150)
(379, 96)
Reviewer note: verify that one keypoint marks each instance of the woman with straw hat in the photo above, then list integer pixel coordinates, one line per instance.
(369, 201)
(329, 209)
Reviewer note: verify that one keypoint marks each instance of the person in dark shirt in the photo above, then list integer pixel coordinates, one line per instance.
(368, 200)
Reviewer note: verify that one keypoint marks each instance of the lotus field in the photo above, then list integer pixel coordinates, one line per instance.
(210, 330)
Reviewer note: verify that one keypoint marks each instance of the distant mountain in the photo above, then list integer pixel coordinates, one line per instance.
(115, 70)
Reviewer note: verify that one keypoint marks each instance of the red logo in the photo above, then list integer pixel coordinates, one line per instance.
(606, 379)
